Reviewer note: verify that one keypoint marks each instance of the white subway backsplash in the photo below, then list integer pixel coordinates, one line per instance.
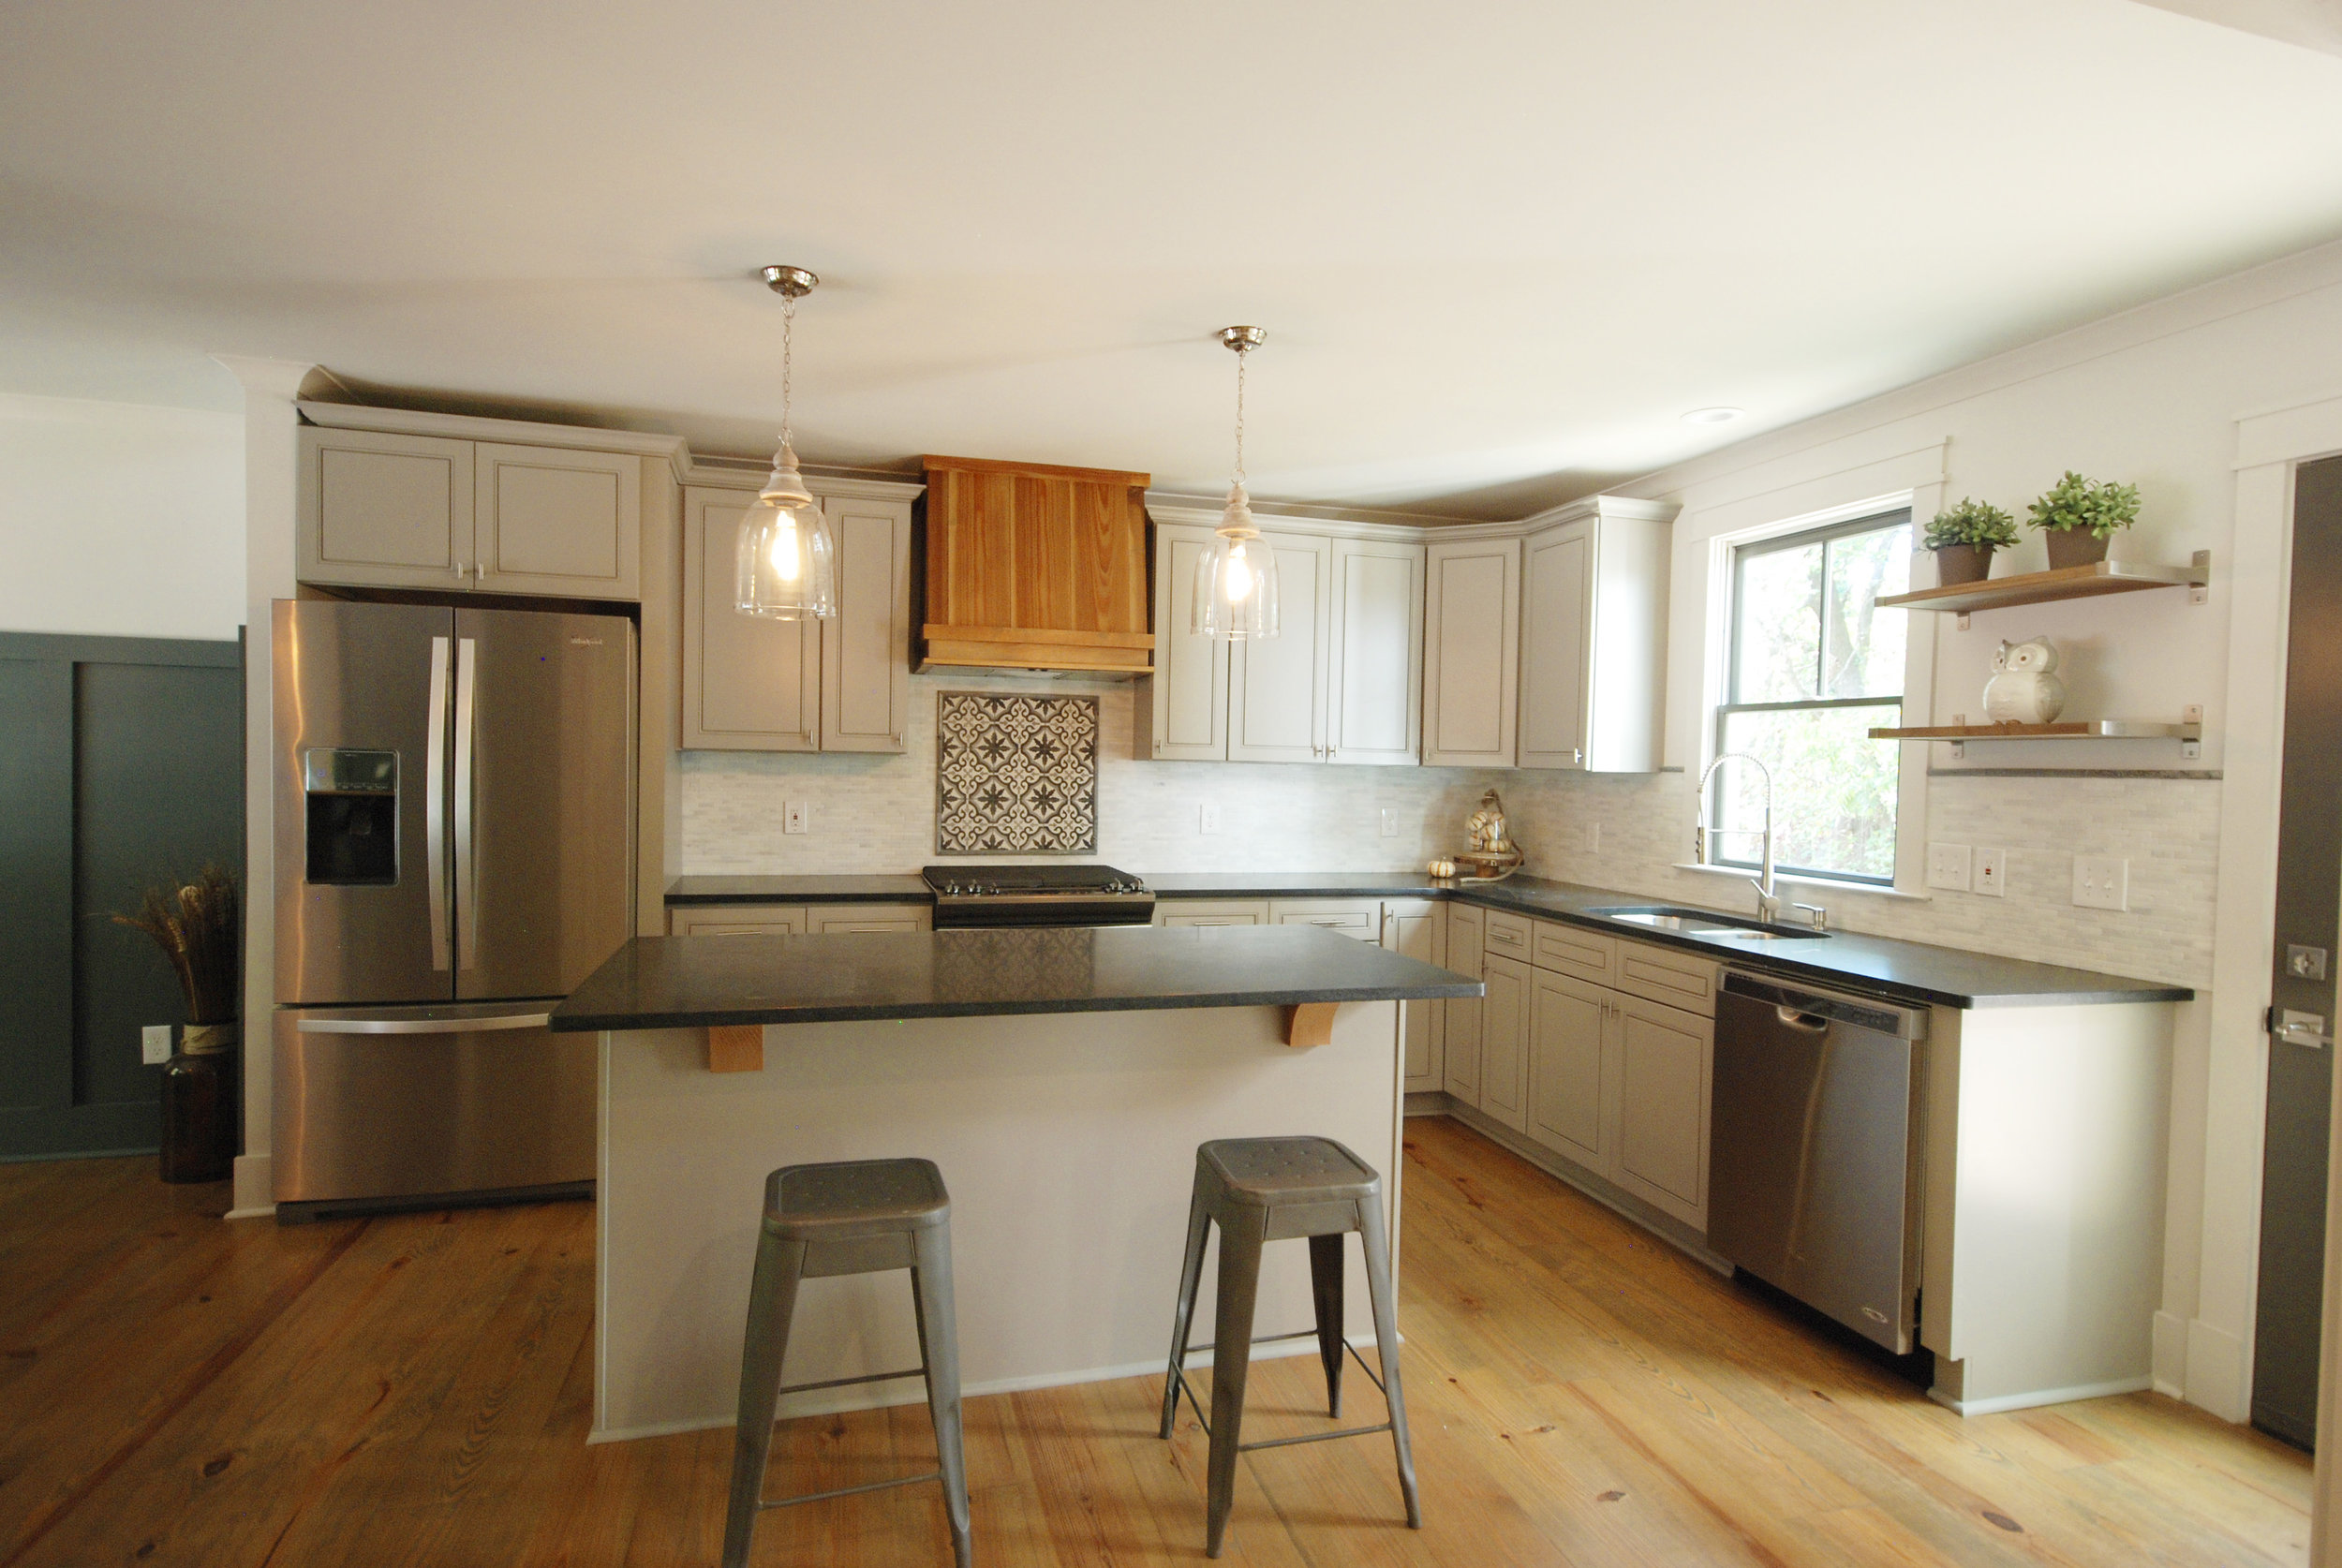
(877, 814)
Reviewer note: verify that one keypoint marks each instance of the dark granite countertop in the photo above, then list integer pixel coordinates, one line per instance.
(655, 983)
(906, 889)
(1905, 971)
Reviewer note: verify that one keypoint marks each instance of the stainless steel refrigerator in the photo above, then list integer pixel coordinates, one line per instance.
(454, 833)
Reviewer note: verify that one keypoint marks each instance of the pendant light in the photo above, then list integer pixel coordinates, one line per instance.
(1236, 577)
(785, 571)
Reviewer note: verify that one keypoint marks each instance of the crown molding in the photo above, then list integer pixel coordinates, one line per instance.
(469, 427)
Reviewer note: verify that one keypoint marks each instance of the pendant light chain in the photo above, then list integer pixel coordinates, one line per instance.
(788, 334)
(1239, 415)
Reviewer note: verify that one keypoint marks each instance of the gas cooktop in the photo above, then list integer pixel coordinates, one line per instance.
(1053, 895)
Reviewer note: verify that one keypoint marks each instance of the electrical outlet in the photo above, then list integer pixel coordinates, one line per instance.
(155, 1044)
(1948, 866)
(793, 817)
(1992, 872)
(1207, 817)
(2101, 882)
(1390, 822)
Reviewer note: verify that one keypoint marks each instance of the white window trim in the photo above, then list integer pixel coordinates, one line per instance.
(1919, 680)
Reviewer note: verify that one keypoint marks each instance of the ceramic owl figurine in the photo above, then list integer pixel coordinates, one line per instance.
(2024, 687)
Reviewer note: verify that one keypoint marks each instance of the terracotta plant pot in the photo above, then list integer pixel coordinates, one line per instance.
(1963, 563)
(2073, 547)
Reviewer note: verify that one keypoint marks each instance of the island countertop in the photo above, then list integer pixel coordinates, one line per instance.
(657, 982)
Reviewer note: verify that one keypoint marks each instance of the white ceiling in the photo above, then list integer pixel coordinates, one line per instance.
(1500, 248)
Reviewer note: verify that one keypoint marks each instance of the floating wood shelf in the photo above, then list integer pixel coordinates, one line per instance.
(2081, 729)
(2039, 587)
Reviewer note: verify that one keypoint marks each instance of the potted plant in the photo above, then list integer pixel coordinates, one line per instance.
(195, 925)
(2076, 516)
(1964, 538)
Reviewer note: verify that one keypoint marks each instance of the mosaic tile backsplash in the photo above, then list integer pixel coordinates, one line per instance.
(1016, 774)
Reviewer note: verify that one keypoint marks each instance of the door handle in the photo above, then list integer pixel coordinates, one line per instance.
(425, 1025)
(1804, 1023)
(2302, 1028)
(435, 805)
(467, 858)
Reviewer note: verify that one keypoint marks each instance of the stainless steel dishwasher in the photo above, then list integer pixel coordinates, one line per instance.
(1814, 1149)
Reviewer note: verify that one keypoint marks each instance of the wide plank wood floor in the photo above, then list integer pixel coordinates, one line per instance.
(416, 1391)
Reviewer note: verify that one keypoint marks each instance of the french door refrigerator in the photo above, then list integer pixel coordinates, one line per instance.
(454, 833)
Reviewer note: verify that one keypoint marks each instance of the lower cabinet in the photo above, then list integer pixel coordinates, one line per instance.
(1569, 1037)
(1212, 911)
(1664, 1060)
(1459, 1027)
(1361, 918)
(793, 920)
(831, 919)
(1413, 928)
(1504, 1017)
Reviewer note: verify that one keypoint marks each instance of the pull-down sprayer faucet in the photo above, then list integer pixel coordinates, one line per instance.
(1767, 900)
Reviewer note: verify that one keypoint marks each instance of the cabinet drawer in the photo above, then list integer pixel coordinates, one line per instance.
(1573, 950)
(1362, 920)
(735, 920)
(1212, 911)
(834, 919)
(1507, 935)
(1663, 975)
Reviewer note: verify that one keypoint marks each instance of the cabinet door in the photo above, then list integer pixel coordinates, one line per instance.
(749, 684)
(1359, 918)
(1185, 708)
(865, 648)
(1471, 652)
(1556, 624)
(1460, 1030)
(382, 509)
(553, 520)
(1277, 686)
(1505, 1041)
(833, 919)
(735, 920)
(1414, 928)
(1211, 911)
(1665, 1057)
(1568, 1023)
(1374, 678)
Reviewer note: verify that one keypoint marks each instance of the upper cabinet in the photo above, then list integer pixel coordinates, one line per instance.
(1593, 605)
(1035, 568)
(1340, 682)
(843, 684)
(1471, 652)
(380, 508)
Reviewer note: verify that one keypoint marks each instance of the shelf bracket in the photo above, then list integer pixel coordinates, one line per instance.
(1311, 1024)
(736, 1048)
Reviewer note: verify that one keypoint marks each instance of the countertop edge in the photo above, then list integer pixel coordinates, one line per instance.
(850, 1013)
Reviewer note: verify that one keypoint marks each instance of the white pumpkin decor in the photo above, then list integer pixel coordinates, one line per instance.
(2024, 689)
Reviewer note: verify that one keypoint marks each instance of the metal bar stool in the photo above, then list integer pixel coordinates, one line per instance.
(1264, 1189)
(861, 1217)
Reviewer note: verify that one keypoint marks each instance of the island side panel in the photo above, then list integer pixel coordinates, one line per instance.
(1068, 1142)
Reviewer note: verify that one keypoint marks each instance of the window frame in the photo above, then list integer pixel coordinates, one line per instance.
(1872, 519)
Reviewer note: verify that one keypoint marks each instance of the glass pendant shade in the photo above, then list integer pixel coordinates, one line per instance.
(785, 569)
(1235, 579)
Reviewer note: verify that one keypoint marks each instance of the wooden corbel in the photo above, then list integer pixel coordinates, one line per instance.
(1310, 1023)
(736, 1048)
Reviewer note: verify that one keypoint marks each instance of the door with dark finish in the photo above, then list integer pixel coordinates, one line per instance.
(2308, 919)
(123, 767)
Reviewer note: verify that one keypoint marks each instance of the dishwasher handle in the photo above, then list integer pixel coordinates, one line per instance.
(1812, 1010)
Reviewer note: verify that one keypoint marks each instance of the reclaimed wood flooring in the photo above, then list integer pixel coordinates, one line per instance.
(416, 1391)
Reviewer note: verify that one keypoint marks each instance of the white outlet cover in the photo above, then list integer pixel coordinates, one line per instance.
(1992, 872)
(1390, 822)
(1948, 866)
(155, 1044)
(1589, 838)
(793, 817)
(2101, 882)
(1207, 817)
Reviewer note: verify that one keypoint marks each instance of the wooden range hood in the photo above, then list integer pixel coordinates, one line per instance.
(1035, 568)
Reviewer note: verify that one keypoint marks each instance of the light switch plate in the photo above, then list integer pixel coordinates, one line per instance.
(1992, 872)
(793, 817)
(1590, 837)
(2101, 882)
(1207, 817)
(1390, 822)
(155, 1044)
(1948, 866)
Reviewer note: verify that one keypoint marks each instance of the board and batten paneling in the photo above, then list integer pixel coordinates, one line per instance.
(557, 521)
(749, 684)
(1471, 652)
(1277, 686)
(1374, 701)
(865, 648)
(1182, 716)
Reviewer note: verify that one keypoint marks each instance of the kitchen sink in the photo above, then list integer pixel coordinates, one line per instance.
(1706, 922)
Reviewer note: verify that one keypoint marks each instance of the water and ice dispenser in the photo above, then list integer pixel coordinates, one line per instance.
(353, 816)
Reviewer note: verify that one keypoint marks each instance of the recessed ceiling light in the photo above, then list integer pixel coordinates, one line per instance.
(1711, 416)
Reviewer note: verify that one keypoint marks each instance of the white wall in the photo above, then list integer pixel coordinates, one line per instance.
(120, 519)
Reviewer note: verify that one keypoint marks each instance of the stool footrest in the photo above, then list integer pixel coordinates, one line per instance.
(1204, 1422)
(845, 1382)
(848, 1491)
(1311, 1437)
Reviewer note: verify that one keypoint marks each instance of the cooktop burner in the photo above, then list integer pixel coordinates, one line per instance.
(1051, 894)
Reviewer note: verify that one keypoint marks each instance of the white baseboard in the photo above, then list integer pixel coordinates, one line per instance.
(2037, 1397)
(2168, 1359)
(255, 1188)
(2219, 1374)
(830, 1401)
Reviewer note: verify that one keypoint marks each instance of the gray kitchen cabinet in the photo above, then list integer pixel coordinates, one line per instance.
(1374, 673)
(1182, 710)
(1471, 652)
(1504, 1017)
(736, 920)
(1569, 1038)
(1665, 1057)
(1416, 929)
(843, 684)
(1361, 918)
(1459, 1024)
(1593, 601)
(379, 508)
(1207, 913)
(1277, 686)
(834, 919)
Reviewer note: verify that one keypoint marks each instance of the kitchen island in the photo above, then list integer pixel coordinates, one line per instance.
(1062, 1078)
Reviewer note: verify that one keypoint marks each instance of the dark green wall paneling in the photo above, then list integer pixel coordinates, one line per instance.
(124, 766)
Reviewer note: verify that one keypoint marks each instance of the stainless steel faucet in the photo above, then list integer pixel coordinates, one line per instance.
(1768, 897)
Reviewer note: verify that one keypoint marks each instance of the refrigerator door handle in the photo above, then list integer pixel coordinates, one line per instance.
(424, 1025)
(435, 805)
(467, 861)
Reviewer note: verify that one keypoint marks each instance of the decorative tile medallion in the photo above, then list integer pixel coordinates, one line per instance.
(1016, 774)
